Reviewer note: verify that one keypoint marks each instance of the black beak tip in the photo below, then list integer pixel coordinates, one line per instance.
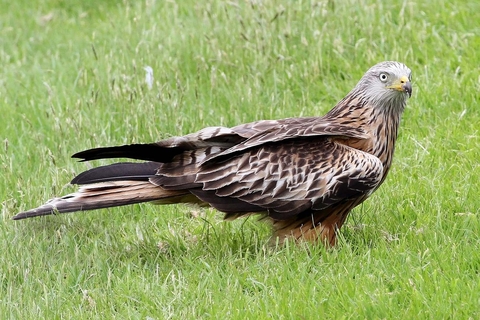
(407, 87)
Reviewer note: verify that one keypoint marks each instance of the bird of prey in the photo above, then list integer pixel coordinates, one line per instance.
(303, 174)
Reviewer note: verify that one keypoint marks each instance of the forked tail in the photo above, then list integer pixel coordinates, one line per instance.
(109, 186)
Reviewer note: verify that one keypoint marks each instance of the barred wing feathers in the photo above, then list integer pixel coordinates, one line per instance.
(281, 167)
(291, 177)
(285, 168)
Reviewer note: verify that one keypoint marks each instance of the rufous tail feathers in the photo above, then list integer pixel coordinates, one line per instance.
(110, 186)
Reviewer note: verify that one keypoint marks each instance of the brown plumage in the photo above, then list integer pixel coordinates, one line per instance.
(303, 174)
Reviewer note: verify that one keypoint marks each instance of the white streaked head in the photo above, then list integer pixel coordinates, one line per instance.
(386, 84)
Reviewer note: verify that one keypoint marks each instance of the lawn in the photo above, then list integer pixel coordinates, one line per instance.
(73, 78)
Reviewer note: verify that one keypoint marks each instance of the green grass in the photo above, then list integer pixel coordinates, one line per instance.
(72, 78)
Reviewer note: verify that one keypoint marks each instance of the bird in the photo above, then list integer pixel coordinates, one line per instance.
(303, 175)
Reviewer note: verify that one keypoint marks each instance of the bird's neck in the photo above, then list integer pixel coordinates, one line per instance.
(380, 124)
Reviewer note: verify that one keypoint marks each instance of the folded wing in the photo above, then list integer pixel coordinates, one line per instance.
(282, 167)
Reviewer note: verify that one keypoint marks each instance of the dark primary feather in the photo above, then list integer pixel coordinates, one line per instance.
(303, 174)
(118, 171)
(147, 152)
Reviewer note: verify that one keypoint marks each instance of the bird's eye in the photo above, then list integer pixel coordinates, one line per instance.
(383, 77)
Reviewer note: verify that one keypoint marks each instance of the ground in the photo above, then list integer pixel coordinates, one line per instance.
(73, 78)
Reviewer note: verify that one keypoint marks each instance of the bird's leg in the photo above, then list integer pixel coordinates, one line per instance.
(312, 228)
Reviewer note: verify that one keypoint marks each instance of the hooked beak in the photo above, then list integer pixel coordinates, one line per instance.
(402, 84)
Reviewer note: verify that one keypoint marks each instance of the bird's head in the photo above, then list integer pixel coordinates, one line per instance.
(387, 84)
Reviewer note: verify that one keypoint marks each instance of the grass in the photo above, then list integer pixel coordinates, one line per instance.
(73, 78)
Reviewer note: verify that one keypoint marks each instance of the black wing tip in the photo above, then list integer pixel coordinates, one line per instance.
(99, 153)
(87, 155)
(131, 171)
(147, 152)
(77, 156)
(80, 159)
